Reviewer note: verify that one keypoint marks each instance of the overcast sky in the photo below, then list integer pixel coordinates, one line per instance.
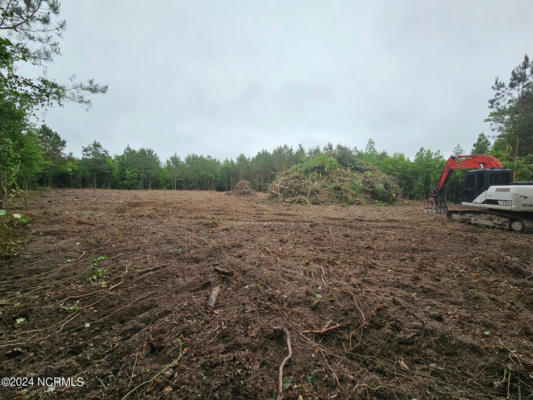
(222, 78)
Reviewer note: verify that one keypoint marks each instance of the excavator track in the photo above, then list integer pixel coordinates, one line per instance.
(492, 219)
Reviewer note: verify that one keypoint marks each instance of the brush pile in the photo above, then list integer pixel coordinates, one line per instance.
(243, 188)
(321, 180)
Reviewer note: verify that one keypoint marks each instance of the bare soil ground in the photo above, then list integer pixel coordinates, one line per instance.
(379, 302)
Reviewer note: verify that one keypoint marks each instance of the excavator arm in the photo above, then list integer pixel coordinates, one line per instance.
(437, 200)
(466, 162)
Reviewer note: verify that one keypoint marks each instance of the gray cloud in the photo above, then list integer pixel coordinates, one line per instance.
(221, 78)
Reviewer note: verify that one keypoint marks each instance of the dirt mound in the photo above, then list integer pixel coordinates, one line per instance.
(243, 188)
(338, 185)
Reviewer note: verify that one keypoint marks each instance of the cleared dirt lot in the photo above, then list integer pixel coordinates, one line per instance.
(380, 302)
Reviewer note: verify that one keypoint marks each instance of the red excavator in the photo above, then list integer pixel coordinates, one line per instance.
(500, 202)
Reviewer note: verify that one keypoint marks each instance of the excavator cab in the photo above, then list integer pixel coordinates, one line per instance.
(479, 180)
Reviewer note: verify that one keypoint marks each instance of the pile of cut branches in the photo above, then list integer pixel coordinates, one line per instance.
(243, 188)
(322, 181)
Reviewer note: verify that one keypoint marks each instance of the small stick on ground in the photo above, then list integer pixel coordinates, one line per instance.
(332, 238)
(285, 360)
(102, 383)
(364, 323)
(335, 377)
(133, 369)
(323, 276)
(364, 275)
(171, 365)
(223, 271)
(324, 330)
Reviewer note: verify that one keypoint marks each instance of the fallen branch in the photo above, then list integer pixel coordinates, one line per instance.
(88, 294)
(285, 360)
(335, 377)
(360, 328)
(171, 365)
(42, 338)
(324, 330)
(361, 311)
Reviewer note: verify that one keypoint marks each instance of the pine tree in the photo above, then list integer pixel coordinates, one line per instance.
(482, 145)
(457, 151)
(511, 110)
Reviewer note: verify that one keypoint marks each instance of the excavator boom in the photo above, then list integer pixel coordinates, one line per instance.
(467, 162)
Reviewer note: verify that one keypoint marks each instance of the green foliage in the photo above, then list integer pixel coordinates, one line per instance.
(29, 31)
(138, 169)
(98, 274)
(20, 151)
(199, 172)
(141, 169)
(348, 158)
(173, 168)
(286, 382)
(458, 150)
(96, 165)
(511, 109)
(482, 145)
(54, 160)
(426, 172)
(31, 157)
(522, 167)
(319, 164)
(227, 175)
(370, 155)
(320, 179)
(416, 178)
(98, 260)
(10, 232)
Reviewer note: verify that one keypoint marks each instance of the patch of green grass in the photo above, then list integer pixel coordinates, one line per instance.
(99, 274)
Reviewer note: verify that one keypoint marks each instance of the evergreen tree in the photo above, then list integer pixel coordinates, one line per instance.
(174, 166)
(29, 32)
(511, 110)
(482, 145)
(97, 166)
(458, 150)
(54, 159)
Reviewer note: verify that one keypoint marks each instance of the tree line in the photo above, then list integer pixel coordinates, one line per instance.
(143, 169)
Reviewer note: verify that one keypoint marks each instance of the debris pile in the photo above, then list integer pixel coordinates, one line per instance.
(326, 182)
(243, 188)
